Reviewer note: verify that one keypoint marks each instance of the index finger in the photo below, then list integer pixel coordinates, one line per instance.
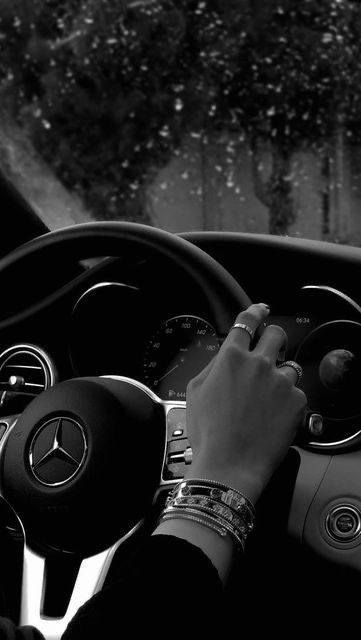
(247, 323)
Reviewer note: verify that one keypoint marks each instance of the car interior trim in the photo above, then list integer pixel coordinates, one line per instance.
(336, 292)
(90, 579)
(101, 285)
(337, 443)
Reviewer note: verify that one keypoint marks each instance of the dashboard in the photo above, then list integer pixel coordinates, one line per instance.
(163, 353)
(137, 321)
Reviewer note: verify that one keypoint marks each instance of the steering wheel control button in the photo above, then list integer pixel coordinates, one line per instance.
(315, 425)
(176, 459)
(188, 455)
(177, 446)
(343, 523)
(176, 423)
(57, 451)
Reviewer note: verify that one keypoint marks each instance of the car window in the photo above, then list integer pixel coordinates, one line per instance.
(239, 115)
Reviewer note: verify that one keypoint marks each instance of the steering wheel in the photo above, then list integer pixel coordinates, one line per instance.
(83, 465)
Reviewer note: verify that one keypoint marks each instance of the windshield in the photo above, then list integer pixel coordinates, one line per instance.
(239, 115)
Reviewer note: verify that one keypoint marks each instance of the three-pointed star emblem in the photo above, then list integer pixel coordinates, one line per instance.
(57, 451)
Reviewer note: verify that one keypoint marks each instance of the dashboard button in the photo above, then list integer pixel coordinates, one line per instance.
(315, 424)
(176, 422)
(343, 523)
(177, 445)
(188, 455)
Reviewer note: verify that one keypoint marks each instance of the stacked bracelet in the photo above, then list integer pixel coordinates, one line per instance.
(217, 506)
(215, 524)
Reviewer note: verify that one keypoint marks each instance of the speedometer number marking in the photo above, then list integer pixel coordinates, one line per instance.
(180, 348)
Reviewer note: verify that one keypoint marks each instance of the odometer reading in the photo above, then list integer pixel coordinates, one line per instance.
(176, 353)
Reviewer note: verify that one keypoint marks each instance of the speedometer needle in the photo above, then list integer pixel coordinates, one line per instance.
(168, 372)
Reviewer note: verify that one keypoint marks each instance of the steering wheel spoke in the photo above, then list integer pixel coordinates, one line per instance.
(49, 600)
(6, 425)
(178, 452)
(177, 449)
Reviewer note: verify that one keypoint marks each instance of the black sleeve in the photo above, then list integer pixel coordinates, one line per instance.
(8, 631)
(169, 588)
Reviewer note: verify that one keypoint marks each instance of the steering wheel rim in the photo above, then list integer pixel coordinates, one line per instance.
(97, 239)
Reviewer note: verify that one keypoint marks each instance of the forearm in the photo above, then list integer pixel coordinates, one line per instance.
(219, 550)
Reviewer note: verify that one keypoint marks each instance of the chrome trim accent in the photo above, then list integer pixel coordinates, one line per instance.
(100, 285)
(33, 384)
(57, 447)
(322, 445)
(167, 406)
(24, 366)
(338, 293)
(137, 384)
(90, 579)
(10, 421)
(42, 357)
(357, 307)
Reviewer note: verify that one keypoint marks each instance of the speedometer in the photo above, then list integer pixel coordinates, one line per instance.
(180, 348)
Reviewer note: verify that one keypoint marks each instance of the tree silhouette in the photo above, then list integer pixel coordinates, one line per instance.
(107, 91)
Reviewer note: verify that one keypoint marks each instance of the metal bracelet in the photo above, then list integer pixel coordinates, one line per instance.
(213, 507)
(215, 526)
(240, 533)
(221, 493)
(212, 522)
(203, 482)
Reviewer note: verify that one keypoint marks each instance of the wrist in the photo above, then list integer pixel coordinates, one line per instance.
(220, 551)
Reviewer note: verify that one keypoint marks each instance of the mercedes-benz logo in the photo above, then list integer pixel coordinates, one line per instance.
(57, 451)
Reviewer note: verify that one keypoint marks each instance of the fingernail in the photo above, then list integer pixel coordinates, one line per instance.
(263, 304)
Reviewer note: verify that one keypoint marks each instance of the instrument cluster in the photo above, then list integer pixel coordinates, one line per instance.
(114, 332)
(177, 351)
(324, 337)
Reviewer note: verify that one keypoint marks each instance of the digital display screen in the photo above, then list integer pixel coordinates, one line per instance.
(297, 327)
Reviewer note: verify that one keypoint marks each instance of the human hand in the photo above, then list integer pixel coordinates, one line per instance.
(242, 411)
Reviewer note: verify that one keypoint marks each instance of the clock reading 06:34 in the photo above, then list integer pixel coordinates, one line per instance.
(180, 348)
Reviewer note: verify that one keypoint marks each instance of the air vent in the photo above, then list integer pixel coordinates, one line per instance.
(25, 369)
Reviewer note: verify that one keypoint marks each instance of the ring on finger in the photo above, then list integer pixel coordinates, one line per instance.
(295, 366)
(244, 327)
